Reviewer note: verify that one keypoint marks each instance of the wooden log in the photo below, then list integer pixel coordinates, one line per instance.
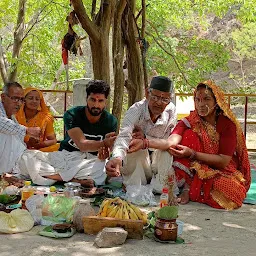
(94, 224)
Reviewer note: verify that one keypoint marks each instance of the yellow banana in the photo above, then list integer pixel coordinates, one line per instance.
(144, 218)
(105, 202)
(132, 214)
(118, 200)
(104, 209)
(113, 212)
(136, 210)
(125, 212)
(110, 208)
(119, 212)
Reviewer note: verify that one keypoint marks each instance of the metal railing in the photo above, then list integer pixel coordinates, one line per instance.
(245, 121)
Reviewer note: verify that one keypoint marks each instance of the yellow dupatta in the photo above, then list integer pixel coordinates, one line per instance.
(40, 119)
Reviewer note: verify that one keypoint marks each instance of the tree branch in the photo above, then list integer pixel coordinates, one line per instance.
(18, 34)
(107, 10)
(32, 26)
(139, 13)
(35, 19)
(173, 57)
(94, 2)
(143, 19)
(120, 9)
(169, 53)
(55, 80)
(3, 69)
(91, 29)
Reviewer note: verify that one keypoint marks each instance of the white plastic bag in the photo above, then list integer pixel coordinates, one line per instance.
(34, 205)
(16, 221)
(140, 195)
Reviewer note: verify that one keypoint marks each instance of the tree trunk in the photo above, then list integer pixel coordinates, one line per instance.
(100, 58)
(118, 59)
(18, 36)
(3, 69)
(135, 83)
(98, 32)
(144, 46)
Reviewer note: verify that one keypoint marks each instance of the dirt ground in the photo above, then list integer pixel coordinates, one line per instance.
(207, 232)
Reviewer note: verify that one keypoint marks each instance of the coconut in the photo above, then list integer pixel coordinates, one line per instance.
(83, 209)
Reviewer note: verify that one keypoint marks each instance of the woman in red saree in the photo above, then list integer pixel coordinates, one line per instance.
(211, 162)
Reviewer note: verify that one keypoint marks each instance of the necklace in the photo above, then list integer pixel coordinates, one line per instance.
(211, 131)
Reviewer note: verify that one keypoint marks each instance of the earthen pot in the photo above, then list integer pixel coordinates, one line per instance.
(166, 230)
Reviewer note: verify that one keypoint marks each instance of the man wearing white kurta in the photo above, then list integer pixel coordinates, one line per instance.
(43, 168)
(11, 133)
(145, 136)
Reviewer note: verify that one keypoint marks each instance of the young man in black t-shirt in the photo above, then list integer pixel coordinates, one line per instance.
(91, 132)
(89, 129)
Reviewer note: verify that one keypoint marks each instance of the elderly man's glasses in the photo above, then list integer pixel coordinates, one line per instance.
(157, 98)
(15, 99)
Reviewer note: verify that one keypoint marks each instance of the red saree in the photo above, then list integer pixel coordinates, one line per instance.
(225, 188)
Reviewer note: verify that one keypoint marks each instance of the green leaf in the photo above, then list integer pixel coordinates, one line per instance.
(168, 212)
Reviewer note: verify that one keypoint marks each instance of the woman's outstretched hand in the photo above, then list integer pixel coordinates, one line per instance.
(181, 151)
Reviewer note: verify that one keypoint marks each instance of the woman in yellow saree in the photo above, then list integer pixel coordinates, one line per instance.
(35, 113)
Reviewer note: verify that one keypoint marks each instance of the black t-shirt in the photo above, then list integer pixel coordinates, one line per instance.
(76, 117)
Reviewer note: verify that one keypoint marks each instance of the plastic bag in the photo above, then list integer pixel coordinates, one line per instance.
(16, 221)
(49, 232)
(58, 209)
(34, 206)
(140, 195)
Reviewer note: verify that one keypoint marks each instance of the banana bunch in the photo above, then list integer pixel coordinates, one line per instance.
(121, 209)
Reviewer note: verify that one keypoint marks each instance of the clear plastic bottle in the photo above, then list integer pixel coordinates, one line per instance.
(27, 191)
(164, 198)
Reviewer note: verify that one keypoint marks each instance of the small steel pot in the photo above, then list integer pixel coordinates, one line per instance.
(72, 189)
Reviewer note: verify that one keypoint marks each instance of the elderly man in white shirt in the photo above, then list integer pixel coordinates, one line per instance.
(11, 132)
(140, 150)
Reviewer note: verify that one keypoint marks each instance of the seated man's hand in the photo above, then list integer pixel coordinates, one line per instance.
(113, 167)
(110, 134)
(33, 143)
(135, 145)
(137, 133)
(109, 139)
(34, 132)
(103, 153)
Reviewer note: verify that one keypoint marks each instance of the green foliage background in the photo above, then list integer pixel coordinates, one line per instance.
(176, 31)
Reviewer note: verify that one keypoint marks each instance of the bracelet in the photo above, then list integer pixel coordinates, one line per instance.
(193, 154)
(145, 143)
